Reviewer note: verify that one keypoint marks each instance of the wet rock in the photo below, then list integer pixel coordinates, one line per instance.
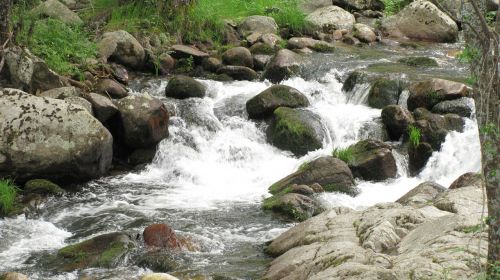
(430, 92)
(238, 56)
(239, 73)
(302, 189)
(433, 128)
(330, 18)
(260, 61)
(264, 104)
(101, 251)
(183, 51)
(312, 5)
(141, 156)
(261, 24)
(13, 276)
(293, 205)
(182, 87)
(108, 87)
(160, 261)
(144, 120)
(296, 130)
(283, 65)
(397, 120)
(162, 236)
(102, 106)
(463, 107)
(211, 64)
(422, 20)
(330, 173)
(158, 276)
(468, 180)
(50, 138)
(121, 47)
(360, 5)
(419, 61)
(166, 63)
(61, 93)
(57, 10)
(29, 73)
(364, 33)
(421, 195)
(43, 187)
(119, 72)
(372, 160)
(354, 78)
(385, 92)
(351, 40)
(418, 156)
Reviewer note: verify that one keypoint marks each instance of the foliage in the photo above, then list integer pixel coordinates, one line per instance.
(491, 17)
(394, 6)
(415, 135)
(344, 154)
(468, 54)
(8, 193)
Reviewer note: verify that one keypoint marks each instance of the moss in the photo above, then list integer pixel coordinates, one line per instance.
(111, 254)
(287, 121)
(261, 48)
(419, 61)
(323, 48)
(41, 186)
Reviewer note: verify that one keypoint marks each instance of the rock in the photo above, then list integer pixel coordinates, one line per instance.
(101, 251)
(421, 195)
(261, 24)
(492, 5)
(302, 189)
(50, 138)
(102, 106)
(61, 93)
(364, 33)
(418, 156)
(254, 38)
(310, 6)
(282, 66)
(453, 7)
(463, 107)
(293, 205)
(144, 120)
(419, 61)
(79, 101)
(57, 10)
(29, 73)
(302, 42)
(360, 5)
(262, 48)
(271, 39)
(353, 79)
(372, 160)
(211, 64)
(330, 18)
(161, 235)
(422, 20)
(183, 51)
(296, 130)
(264, 104)
(238, 56)
(433, 128)
(468, 180)
(329, 172)
(231, 36)
(239, 73)
(121, 47)
(385, 92)
(430, 92)
(158, 260)
(158, 276)
(467, 201)
(13, 276)
(120, 73)
(397, 120)
(182, 87)
(167, 63)
(43, 187)
(260, 61)
(110, 88)
(141, 156)
(350, 40)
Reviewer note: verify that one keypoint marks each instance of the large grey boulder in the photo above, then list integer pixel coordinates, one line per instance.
(453, 7)
(57, 10)
(238, 56)
(282, 66)
(309, 6)
(261, 24)
(422, 20)
(239, 73)
(360, 5)
(331, 18)
(121, 47)
(263, 104)
(463, 107)
(430, 92)
(468, 180)
(51, 139)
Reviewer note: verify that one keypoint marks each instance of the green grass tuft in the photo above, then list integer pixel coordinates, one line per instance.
(344, 154)
(8, 194)
(394, 6)
(415, 135)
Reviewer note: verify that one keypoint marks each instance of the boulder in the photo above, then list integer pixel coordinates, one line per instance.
(463, 107)
(158, 276)
(433, 128)
(166, 63)
(61, 93)
(271, 39)
(120, 73)
(260, 61)
(372, 160)
(296, 130)
(453, 7)
(29, 73)
(330, 18)
(262, 48)
(419, 61)
(211, 64)
(304, 42)
(182, 87)
(282, 66)
(51, 139)
(57, 10)
(421, 195)
(385, 92)
(261, 24)
(293, 205)
(397, 119)
(101, 251)
(467, 201)
(162, 236)
(121, 47)
(360, 5)
(183, 51)
(239, 73)
(43, 187)
(364, 33)
(238, 56)
(263, 104)
(331, 173)
(422, 20)
(309, 6)
(79, 101)
(102, 106)
(418, 156)
(144, 120)
(430, 92)
(254, 38)
(111, 88)
(468, 180)
(158, 260)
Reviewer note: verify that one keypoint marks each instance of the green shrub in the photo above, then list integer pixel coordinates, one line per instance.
(394, 6)
(468, 55)
(8, 193)
(415, 135)
(344, 154)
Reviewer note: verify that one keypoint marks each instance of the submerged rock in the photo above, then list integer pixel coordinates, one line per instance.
(419, 61)
(182, 87)
(158, 260)
(264, 104)
(283, 65)
(372, 160)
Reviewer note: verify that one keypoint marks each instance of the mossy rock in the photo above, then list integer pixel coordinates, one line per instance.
(292, 205)
(101, 251)
(262, 48)
(295, 130)
(372, 160)
(323, 48)
(158, 261)
(42, 186)
(419, 61)
(264, 104)
(182, 87)
(384, 92)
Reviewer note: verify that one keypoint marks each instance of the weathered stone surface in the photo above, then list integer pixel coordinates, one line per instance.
(372, 160)
(331, 18)
(123, 48)
(282, 66)
(240, 73)
(463, 107)
(433, 128)
(397, 120)
(430, 92)
(296, 206)
(51, 139)
(466, 201)
(182, 87)
(263, 104)
(260, 61)
(183, 51)
(364, 33)
(384, 92)
(261, 24)
(79, 101)
(421, 195)
(211, 64)
(238, 56)
(309, 6)
(418, 156)
(102, 106)
(61, 93)
(421, 20)
(468, 179)
(144, 120)
(110, 88)
(57, 10)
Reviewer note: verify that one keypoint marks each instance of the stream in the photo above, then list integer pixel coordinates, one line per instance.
(209, 177)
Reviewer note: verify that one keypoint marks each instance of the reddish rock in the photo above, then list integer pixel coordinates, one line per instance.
(161, 235)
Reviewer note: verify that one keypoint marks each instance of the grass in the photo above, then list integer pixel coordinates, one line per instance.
(394, 6)
(415, 135)
(344, 154)
(8, 193)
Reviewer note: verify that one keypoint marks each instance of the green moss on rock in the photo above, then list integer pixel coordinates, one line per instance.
(42, 186)
(419, 61)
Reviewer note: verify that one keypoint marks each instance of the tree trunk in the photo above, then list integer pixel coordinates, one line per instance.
(5, 7)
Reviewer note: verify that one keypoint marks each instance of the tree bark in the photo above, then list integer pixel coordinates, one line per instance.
(5, 8)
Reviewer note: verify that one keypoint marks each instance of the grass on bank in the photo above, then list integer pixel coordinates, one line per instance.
(8, 194)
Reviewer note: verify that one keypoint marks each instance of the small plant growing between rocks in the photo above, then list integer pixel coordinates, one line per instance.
(415, 135)
(8, 194)
(344, 154)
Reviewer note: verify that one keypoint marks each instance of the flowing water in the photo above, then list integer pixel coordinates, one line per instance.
(209, 177)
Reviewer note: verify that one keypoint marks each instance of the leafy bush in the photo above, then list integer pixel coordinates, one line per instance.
(415, 135)
(8, 193)
(344, 154)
